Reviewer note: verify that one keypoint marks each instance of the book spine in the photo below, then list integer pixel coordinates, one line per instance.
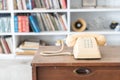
(1, 5)
(63, 21)
(19, 4)
(30, 4)
(20, 23)
(24, 5)
(16, 23)
(25, 23)
(50, 22)
(4, 2)
(40, 22)
(5, 45)
(45, 22)
(34, 24)
(15, 4)
(9, 42)
(38, 3)
(33, 4)
(63, 4)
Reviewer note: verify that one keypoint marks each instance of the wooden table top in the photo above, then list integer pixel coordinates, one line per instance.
(110, 56)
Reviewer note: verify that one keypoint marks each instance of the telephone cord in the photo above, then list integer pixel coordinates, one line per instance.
(56, 53)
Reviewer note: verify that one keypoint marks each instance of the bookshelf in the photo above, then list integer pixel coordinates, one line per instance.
(105, 13)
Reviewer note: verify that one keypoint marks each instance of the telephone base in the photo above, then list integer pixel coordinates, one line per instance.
(87, 58)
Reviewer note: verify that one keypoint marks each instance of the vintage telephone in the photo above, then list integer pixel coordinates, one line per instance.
(85, 46)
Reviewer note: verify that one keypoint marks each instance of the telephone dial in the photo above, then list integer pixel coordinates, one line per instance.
(85, 46)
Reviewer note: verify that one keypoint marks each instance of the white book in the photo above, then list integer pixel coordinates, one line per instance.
(58, 5)
(55, 4)
(19, 4)
(24, 4)
(51, 5)
(50, 22)
(9, 4)
(9, 42)
(64, 20)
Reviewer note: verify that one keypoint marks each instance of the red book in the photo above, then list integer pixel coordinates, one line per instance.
(63, 4)
(5, 46)
(20, 23)
(25, 24)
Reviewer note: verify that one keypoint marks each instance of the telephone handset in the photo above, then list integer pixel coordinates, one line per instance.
(86, 45)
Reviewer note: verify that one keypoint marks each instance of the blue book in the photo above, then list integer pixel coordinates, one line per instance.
(34, 24)
(16, 23)
(29, 4)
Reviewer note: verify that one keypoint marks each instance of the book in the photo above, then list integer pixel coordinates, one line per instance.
(54, 22)
(19, 4)
(63, 4)
(15, 4)
(9, 4)
(27, 48)
(25, 24)
(34, 24)
(9, 42)
(38, 3)
(16, 23)
(45, 22)
(50, 22)
(5, 46)
(29, 45)
(41, 24)
(29, 4)
(1, 5)
(5, 23)
(63, 21)
(4, 4)
(24, 4)
(25, 52)
(20, 23)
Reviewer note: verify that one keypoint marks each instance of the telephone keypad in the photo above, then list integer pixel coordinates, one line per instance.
(88, 43)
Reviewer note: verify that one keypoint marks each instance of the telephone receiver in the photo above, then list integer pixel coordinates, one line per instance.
(86, 46)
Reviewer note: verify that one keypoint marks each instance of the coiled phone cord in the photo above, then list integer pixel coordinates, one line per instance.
(56, 53)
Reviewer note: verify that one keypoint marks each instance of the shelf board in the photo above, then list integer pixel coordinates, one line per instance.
(96, 32)
(24, 57)
(44, 33)
(94, 10)
(5, 11)
(40, 10)
(6, 56)
(5, 34)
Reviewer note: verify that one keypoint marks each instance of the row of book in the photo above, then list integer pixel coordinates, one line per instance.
(5, 23)
(5, 4)
(5, 45)
(41, 4)
(38, 22)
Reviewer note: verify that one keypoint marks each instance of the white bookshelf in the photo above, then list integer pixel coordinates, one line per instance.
(73, 10)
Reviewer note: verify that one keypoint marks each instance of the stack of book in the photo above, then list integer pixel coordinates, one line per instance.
(6, 45)
(5, 4)
(27, 48)
(38, 22)
(5, 22)
(46, 4)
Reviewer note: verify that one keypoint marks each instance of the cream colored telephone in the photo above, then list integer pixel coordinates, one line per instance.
(85, 46)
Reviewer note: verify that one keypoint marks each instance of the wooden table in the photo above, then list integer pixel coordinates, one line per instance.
(67, 68)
